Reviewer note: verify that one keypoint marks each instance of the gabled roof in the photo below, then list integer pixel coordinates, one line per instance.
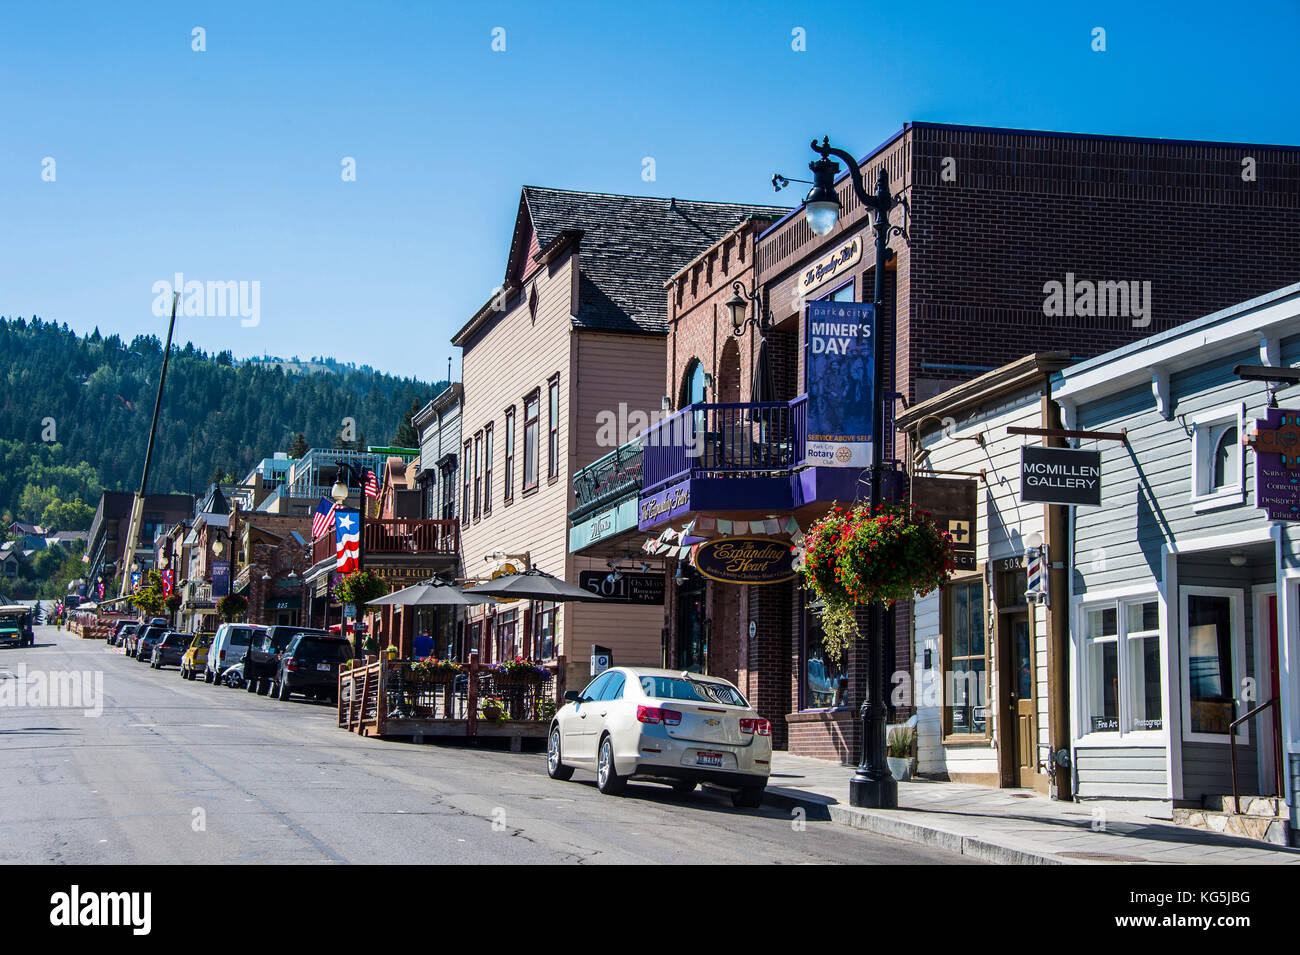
(629, 246)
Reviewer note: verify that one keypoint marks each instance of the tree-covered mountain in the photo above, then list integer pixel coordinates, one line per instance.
(74, 417)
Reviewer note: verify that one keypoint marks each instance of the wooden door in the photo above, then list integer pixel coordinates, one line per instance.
(1024, 715)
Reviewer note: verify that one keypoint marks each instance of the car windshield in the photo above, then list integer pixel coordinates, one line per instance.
(203, 640)
(283, 638)
(700, 691)
(323, 651)
(178, 639)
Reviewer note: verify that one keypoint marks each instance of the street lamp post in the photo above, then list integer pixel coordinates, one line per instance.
(872, 786)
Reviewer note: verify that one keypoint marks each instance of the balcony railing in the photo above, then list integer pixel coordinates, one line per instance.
(410, 536)
(401, 536)
(608, 477)
(725, 439)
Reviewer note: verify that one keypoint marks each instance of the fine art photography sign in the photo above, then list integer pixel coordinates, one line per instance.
(1060, 476)
(839, 378)
(745, 560)
(1276, 442)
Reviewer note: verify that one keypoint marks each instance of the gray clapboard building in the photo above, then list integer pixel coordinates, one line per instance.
(1183, 593)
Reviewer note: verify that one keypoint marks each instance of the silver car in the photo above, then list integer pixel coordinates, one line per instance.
(663, 726)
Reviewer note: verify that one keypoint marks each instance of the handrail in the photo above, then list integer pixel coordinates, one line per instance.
(1277, 750)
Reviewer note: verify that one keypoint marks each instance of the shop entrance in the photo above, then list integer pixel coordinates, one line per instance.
(692, 627)
(1018, 750)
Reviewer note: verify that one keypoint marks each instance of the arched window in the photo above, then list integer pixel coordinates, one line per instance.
(1225, 459)
(693, 385)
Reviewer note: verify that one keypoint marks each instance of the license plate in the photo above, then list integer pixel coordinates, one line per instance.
(323, 666)
(708, 759)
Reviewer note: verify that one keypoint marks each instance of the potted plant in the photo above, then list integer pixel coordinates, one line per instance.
(899, 744)
(493, 709)
(853, 557)
(359, 588)
(544, 708)
(434, 671)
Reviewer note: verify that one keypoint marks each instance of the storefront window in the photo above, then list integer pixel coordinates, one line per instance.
(507, 647)
(1143, 638)
(1209, 662)
(966, 651)
(822, 672)
(1122, 667)
(1102, 637)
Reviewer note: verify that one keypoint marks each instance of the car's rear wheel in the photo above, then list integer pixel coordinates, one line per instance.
(263, 686)
(250, 684)
(555, 768)
(608, 781)
(207, 676)
(284, 691)
(684, 786)
(750, 797)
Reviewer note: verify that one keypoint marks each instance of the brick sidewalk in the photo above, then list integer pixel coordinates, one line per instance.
(1014, 826)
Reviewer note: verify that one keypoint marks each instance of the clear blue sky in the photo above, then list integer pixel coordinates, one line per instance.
(225, 164)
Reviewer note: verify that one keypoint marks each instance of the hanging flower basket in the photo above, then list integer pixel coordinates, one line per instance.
(854, 557)
(434, 672)
(518, 672)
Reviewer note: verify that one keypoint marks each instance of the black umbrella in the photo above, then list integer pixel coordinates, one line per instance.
(533, 584)
(431, 593)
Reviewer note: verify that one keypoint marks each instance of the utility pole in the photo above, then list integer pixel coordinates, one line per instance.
(137, 506)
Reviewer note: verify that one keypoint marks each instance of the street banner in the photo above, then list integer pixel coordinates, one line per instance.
(840, 372)
(220, 578)
(347, 541)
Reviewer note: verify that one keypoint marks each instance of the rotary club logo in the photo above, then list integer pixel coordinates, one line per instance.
(843, 454)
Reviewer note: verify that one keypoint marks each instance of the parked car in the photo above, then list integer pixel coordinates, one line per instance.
(262, 660)
(169, 650)
(16, 625)
(146, 640)
(119, 638)
(195, 658)
(310, 665)
(663, 726)
(228, 648)
(233, 676)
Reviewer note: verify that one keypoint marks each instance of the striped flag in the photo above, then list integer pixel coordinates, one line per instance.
(322, 519)
(347, 541)
(372, 484)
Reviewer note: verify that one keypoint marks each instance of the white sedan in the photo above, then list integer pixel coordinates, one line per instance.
(664, 726)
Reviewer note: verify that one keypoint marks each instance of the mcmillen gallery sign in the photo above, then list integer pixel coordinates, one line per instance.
(1060, 476)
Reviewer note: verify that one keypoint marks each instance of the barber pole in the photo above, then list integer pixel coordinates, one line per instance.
(1036, 575)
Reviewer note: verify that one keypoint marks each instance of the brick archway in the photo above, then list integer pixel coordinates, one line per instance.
(728, 389)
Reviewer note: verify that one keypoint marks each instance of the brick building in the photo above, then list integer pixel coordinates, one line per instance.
(1002, 226)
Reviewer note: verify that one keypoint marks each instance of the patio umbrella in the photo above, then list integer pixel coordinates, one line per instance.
(433, 593)
(533, 584)
(764, 387)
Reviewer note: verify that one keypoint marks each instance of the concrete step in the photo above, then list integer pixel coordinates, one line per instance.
(1263, 828)
(1270, 806)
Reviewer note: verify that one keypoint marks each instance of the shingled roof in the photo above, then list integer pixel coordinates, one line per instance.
(629, 247)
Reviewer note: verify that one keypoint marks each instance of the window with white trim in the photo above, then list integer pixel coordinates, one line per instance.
(1218, 466)
(1122, 672)
(1213, 661)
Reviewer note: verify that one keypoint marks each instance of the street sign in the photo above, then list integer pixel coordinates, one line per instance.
(349, 610)
(602, 658)
(1276, 441)
(628, 589)
(1060, 476)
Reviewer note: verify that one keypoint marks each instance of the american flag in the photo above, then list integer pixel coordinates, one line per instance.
(323, 518)
(372, 484)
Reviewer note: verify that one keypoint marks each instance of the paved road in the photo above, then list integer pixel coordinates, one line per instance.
(174, 771)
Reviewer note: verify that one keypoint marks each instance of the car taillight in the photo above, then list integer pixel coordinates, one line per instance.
(289, 663)
(656, 715)
(221, 655)
(751, 726)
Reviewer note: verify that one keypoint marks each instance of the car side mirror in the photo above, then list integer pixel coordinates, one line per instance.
(572, 696)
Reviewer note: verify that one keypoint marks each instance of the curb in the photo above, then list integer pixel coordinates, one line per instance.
(884, 823)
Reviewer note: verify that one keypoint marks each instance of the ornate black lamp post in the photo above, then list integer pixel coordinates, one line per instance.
(872, 786)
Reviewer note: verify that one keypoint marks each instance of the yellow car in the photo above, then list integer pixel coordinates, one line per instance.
(196, 656)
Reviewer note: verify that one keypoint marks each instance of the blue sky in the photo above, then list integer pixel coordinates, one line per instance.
(225, 164)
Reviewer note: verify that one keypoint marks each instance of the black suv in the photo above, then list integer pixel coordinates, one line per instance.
(169, 650)
(310, 665)
(146, 639)
(262, 660)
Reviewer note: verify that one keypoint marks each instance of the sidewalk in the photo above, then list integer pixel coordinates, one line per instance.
(1014, 826)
